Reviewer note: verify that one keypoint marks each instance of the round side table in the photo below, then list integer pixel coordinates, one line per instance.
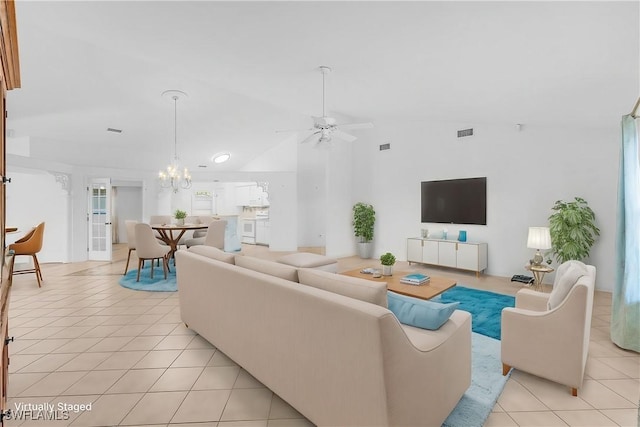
(538, 274)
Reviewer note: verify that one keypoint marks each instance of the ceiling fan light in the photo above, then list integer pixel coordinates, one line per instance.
(221, 158)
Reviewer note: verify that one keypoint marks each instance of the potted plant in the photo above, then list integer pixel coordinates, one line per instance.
(573, 230)
(364, 217)
(387, 260)
(180, 216)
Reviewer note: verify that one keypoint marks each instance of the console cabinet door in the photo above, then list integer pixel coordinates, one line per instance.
(468, 257)
(447, 254)
(414, 250)
(430, 252)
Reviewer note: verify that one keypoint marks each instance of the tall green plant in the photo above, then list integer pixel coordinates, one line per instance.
(573, 230)
(364, 217)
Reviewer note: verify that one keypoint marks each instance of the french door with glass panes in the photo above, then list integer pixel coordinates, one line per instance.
(99, 219)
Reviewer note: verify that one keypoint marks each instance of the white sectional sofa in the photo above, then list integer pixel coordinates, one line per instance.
(340, 361)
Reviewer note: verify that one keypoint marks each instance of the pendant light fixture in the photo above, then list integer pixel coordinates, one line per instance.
(175, 177)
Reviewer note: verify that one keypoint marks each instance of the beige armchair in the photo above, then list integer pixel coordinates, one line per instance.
(548, 334)
(214, 236)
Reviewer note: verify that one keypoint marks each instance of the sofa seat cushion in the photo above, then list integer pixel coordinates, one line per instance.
(268, 267)
(568, 274)
(214, 253)
(353, 287)
(420, 313)
(309, 260)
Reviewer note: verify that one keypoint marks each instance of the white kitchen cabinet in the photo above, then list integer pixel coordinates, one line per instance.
(249, 194)
(448, 253)
(263, 231)
(243, 195)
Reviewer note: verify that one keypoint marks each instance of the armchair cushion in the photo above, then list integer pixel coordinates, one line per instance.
(568, 274)
(420, 313)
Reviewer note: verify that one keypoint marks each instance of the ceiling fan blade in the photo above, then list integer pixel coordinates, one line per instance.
(367, 125)
(294, 130)
(343, 135)
(310, 138)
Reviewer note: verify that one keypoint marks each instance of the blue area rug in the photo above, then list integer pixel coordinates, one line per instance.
(485, 307)
(487, 383)
(146, 283)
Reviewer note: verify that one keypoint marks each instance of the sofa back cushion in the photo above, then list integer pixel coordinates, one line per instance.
(268, 267)
(214, 253)
(353, 287)
(420, 313)
(566, 277)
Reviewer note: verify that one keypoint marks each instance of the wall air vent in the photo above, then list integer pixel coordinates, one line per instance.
(114, 130)
(465, 132)
(386, 146)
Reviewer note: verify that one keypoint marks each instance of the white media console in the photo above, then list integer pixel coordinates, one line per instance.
(448, 253)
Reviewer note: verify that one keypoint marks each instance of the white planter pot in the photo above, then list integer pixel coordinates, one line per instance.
(365, 250)
(180, 221)
(387, 270)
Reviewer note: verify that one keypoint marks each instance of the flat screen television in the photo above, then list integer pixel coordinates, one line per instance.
(455, 201)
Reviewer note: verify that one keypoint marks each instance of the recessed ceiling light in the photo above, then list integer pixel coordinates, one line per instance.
(221, 158)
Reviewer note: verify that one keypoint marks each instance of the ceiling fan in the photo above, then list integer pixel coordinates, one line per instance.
(325, 128)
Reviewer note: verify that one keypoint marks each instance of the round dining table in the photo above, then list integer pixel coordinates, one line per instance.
(172, 233)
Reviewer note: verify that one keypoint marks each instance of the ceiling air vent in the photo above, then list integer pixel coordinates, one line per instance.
(114, 130)
(465, 132)
(386, 146)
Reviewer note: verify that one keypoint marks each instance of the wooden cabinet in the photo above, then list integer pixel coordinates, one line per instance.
(9, 79)
(448, 253)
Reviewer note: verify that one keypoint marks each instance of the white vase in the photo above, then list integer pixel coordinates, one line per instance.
(365, 250)
(180, 221)
(387, 270)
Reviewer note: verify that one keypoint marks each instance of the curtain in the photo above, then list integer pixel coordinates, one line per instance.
(625, 310)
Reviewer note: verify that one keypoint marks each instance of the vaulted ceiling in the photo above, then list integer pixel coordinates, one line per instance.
(250, 68)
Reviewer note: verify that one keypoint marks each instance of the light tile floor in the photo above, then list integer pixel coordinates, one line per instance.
(82, 338)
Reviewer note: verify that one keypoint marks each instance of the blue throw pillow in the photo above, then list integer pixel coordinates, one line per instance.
(420, 313)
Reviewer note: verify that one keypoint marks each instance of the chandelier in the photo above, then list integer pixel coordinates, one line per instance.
(174, 176)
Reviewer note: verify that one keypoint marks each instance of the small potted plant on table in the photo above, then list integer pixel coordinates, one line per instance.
(387, 260)
(180, 216)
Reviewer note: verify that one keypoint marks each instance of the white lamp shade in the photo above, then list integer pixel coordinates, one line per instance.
(539, 238)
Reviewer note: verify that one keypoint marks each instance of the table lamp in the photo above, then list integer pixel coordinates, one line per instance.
(539, 238)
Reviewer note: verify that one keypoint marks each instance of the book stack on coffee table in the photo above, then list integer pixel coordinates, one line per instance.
(414, 279)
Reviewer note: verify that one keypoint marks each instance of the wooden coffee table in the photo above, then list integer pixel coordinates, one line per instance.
(433, 287)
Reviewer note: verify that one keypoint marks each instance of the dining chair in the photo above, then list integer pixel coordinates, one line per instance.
(30, 245)
(214, 236)
(130, 226)
(160, 219)
(148, 248)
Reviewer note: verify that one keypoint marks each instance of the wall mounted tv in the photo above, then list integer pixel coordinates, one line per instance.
(455, 201)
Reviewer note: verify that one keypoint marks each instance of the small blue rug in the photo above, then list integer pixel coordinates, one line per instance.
(146, 283)
(487, 383)
(485, 307)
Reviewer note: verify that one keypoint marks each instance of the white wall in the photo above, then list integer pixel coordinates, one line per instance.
(313, 201)
(338, 208)
(34, 196)
(128, 203)
(526, 172)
